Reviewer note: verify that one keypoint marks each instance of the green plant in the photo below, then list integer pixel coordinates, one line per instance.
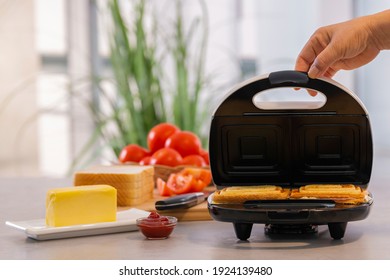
(186, 106)
(139, 103)
(144, 97)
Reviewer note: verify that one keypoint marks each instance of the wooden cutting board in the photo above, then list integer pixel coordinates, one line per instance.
(196, 213)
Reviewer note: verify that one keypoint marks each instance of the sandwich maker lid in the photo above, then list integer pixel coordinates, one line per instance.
(258, 143)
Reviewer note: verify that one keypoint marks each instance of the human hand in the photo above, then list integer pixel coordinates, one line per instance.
(347, 45)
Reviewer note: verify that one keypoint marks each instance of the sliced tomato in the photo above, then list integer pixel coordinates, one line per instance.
(186, 181)
(201, 174)
(198, 185)
(180, 184)
(162, 188)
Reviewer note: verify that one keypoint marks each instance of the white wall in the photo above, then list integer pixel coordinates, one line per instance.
(275, 31)
(18, 66)
(283, 27)
(373, 84)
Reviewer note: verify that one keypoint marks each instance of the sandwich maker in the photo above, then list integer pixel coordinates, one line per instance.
(260, 134)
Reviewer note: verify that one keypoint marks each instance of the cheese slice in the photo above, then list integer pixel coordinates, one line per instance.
(82, 205)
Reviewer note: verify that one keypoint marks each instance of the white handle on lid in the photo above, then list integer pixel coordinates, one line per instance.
(287, 98)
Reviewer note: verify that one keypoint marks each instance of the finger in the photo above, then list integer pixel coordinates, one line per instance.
(330, 72)
(311, 92)
(324, 61)
(314, 46)
(301, 64)
(305, 58)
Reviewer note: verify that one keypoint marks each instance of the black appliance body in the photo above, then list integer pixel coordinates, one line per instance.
(254, 141)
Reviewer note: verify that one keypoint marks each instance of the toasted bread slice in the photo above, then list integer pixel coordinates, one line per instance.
(346, 194)
(242, 194)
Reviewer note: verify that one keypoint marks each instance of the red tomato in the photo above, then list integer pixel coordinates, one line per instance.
(179, 184)
(205, 155)
(198, 186)
(194, 160)
(162, 188)
(132, 153)
(145, 160)
(166, 156)
(200, 174)
(186, 181)
(159, 134)
(185, 142)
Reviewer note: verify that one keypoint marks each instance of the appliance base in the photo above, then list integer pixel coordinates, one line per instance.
(336, 230)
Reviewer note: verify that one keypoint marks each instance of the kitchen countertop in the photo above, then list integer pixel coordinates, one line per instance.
(24, 199)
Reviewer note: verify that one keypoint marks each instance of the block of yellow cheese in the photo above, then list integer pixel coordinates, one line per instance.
(82, 205)
(134, 183)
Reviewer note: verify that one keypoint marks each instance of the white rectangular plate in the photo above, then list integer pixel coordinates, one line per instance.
(37, 229)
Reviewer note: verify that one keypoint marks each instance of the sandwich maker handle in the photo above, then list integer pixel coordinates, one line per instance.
(338, 99)
(282, 77)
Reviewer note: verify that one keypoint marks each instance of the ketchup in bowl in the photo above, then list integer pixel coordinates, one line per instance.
(155, 226)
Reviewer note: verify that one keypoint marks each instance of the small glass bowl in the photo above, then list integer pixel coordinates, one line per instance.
(157, 228)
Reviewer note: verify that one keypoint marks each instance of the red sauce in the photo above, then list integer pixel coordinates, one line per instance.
(156, 226)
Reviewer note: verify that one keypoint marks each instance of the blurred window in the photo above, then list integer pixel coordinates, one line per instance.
(45, 86)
